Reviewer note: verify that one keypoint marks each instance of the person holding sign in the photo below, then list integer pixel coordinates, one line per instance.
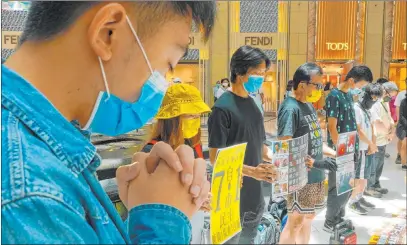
(341, 119)
(236, 119)
(297, 117)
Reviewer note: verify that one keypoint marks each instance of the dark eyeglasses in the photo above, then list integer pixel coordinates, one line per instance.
(318, 85)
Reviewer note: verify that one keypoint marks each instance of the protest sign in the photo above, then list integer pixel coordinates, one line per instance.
(226, 176)
(288, 156)
(345, 159)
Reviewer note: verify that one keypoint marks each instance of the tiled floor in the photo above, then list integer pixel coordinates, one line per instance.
(392, 178)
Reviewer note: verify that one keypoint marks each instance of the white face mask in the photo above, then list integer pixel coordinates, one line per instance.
(225, 84)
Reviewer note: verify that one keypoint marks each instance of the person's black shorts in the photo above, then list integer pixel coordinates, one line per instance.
(400, 133)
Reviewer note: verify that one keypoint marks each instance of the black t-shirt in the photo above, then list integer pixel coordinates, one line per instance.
(403, 115)
(339, 105)
(297, 119)
(235, 120)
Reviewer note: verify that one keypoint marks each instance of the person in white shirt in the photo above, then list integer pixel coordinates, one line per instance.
(384, 130)
(367, 147)
(397, 103)
(225, 86)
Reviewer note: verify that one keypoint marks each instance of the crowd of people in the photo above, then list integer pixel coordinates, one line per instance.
(50, 193)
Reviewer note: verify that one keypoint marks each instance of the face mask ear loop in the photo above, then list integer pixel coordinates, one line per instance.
(104, 78)
(139, 43)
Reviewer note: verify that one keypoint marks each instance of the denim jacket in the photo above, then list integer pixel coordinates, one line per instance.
(49, 191)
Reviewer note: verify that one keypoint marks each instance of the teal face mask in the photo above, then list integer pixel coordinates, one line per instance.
(254, 83)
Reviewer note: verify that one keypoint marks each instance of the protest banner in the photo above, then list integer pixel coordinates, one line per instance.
(345, 159)
(226, 176)
(288, 156)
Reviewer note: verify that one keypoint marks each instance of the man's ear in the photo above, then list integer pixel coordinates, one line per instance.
(102, 30)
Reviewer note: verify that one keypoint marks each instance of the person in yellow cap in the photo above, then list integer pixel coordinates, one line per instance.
(178, 122)
(179, 119)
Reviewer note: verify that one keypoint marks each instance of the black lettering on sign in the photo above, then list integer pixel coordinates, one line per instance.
(11, 39)
(258, 41)
(191, 40)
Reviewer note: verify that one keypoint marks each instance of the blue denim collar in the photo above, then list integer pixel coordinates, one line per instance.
(69, 144)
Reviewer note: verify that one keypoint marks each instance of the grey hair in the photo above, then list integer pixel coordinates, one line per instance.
(390, 86)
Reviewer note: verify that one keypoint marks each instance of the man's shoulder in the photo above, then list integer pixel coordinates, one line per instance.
(29, 167)
(335, 93)
(289, 103)
(224, 102)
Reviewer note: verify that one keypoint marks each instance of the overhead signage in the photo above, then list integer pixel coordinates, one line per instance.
(337, 46)
(10, 39)
(258, 40)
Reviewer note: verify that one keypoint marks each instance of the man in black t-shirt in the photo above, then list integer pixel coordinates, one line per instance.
(236, 119)
(341, 119)
(297, 117)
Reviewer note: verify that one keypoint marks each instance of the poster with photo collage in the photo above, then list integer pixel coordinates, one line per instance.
(288, 156)
(345, 159)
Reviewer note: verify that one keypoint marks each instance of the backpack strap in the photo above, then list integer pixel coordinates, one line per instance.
(198, 150)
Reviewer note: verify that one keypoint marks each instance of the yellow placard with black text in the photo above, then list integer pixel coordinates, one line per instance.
(226, 176)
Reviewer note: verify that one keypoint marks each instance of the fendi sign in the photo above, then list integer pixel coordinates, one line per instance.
(337, 46)
(10, 39)
(195, 41)
(258, 40)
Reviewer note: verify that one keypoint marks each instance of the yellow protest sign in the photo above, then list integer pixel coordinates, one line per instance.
(225, 214)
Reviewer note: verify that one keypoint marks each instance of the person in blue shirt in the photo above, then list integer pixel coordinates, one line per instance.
(95, 67)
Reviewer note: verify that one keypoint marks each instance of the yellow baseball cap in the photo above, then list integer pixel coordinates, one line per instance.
(182, 99)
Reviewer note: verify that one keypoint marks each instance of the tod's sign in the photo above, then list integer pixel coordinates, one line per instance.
(337, 46)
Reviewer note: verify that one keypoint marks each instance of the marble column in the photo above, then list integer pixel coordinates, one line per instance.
(360, 32)
(312, 20)
(388, 25)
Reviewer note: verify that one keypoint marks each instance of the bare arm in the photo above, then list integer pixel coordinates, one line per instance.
(266, 153)
(333, 131)
(397, 113)
(328, 151)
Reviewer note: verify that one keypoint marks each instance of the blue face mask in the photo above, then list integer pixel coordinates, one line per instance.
(113, 116)
(254, 83)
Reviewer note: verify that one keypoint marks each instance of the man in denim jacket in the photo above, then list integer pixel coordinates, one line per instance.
(77, 61)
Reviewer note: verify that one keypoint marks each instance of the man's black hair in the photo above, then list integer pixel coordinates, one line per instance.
(225, 79)
(304, 73)
(360, 73)
(382, 80)
(244, 58)
(290, 85)
(374, 89)
(47, 19)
